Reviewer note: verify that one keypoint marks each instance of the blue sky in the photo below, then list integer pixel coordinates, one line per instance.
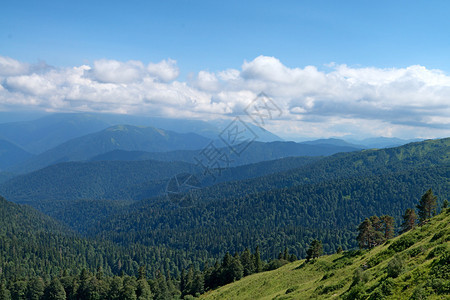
(216, 35)
(193, 43)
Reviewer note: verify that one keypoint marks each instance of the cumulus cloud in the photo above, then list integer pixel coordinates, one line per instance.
(165, 70)
(342, 100)
(10, 67)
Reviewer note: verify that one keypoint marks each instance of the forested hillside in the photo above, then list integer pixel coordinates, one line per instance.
(104, 224)
(414, 265)
(124, 180)
(33, 244)
(275, 219)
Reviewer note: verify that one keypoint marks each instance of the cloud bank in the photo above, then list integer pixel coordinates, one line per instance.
(342, 100)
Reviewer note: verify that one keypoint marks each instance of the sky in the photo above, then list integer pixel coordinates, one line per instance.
(333, 68)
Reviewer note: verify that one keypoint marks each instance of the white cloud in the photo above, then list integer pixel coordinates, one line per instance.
(113, 71)
(344, 100)
(165, 70)
(10, 67)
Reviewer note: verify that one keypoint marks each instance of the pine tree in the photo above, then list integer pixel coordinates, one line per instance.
(377, 235)
(445, 204)
(365, 235)
(427, 206)
(388, 225)
(315, 250)
(409, 220)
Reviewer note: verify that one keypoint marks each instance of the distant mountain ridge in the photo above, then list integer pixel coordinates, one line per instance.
(123, 137)
(46, 132)
(256, 152)
(11, 154)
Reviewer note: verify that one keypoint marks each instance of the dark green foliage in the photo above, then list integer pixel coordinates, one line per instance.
(374, 231)
(275, 264)
(315, 250)
(35, 288)
(409, 220)
(445, 204)
(55, 291)
(427, 206)
(441, 267)
(387, 287)
(403, 243)
(356, 292)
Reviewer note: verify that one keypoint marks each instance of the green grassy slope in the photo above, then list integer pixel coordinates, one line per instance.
(424, 253)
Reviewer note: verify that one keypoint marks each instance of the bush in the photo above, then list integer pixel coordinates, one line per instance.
(416, 251)
(419, 294)
(387, 287)
(359, 276)
(327, 275)
(438, 235)
(395, 267)
(275, 264)
(357, 292)
(382, 256)
(332, 288)
(440, 286)
(437, 251)
(403, 243)
(292, 289)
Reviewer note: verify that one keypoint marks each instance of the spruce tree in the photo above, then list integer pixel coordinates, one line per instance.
(258, 261)
(55, 291)
(36, 288)
(247, 262)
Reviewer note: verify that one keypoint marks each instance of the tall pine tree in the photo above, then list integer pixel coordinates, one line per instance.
(427, 206)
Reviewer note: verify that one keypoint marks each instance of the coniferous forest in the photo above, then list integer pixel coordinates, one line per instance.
(109, 229)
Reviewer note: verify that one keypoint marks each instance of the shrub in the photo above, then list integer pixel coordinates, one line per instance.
(275, 264)
(359, 276)
(395, 267)
(416, 251)
(380, 257)
(387, 287)
(332, 288)
(438, 235)
(291, 289)
(327, 275)
(440, 286)
(357, 292)
(403, 243)
(419, 294)
(437, 251)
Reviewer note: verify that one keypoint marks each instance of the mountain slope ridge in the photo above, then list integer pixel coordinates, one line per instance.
(424, 251)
